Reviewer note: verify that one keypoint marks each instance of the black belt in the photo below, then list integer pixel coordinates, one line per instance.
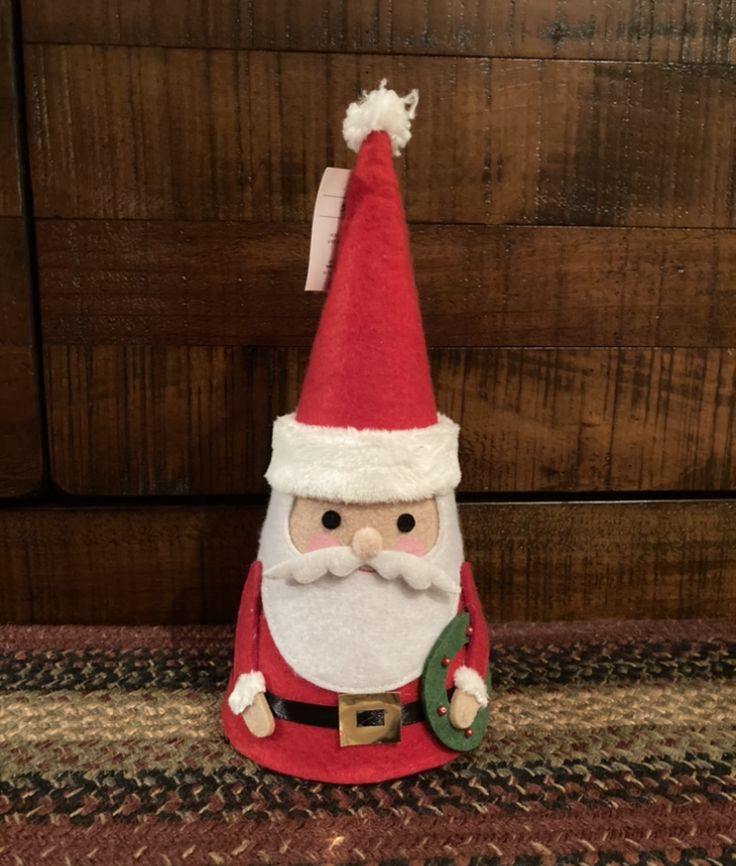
(319, 716)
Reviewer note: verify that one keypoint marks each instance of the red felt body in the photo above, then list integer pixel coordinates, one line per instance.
(368, 367)
(315, 753)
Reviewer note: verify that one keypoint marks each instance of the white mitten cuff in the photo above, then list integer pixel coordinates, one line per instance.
(472, 683)
(245, 691)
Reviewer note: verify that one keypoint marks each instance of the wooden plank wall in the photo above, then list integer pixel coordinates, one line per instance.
(174, 563)
(570, 192)
(21, 465)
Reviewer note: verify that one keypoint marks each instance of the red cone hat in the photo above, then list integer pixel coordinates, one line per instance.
(368, 367)
(367, 428)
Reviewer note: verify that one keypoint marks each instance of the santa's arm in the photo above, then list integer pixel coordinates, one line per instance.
(470, 677)
(249, 681)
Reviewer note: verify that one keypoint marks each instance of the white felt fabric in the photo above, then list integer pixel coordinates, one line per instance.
(359, 633)
(246, 688)
(416, 571)
(348, 465)
(471, 682)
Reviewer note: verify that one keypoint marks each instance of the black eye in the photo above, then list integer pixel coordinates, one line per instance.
(406, 523)
(331, 520)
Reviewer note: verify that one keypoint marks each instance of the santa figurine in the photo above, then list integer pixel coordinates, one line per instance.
(361, 652)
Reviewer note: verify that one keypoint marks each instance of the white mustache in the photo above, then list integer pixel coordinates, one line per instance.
(342, 561)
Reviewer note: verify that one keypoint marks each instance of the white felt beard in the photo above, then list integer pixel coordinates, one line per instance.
(359, 633)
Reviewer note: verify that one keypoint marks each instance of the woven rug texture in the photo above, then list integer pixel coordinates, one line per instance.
(608, 743)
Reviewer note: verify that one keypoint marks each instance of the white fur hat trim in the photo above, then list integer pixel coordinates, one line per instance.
(344, 464)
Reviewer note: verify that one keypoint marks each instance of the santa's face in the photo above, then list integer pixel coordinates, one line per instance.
(337, 539)
(355, 595)
(368, 529)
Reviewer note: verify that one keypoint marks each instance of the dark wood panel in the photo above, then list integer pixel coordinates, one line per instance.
(152, 564)
(592, 419)
(20, 439)
(20, 442)
(224, 23)
(149, 420)
(580, 29)
(160, 420)
(9, 186)
(122, 132)
(532, 561)
(600, 560)
(212, 134)
(21, 465)
(15, 303)
(612, 143)
(694, 32)
(215, 283)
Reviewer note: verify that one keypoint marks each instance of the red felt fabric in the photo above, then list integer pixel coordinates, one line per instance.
(245, 655)
(315, 753)
(477, 650)
(369, 366)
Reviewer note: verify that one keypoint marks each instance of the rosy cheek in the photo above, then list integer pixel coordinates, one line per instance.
(320, 540)
(410, 545)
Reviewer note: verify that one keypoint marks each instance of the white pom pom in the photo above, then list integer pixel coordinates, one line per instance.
(381, 110)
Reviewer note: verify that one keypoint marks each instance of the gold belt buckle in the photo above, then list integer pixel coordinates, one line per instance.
(367, 720)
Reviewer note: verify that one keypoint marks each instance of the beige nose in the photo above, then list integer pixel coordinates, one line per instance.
(367, 542)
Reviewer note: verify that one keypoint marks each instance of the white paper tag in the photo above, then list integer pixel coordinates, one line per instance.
(325, 227)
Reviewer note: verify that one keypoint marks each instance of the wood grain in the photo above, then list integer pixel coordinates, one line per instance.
(152, 133)
(149, 564)
(21, 468)
(624, 560)
(612, 143)
(20, 437)
(9, 183)
(224, 23)
(172, 420)
(693, 32)
(533, 561)
(15, 302)
(156, 420)
(210, 284)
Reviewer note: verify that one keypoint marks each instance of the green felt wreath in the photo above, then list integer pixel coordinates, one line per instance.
(434, 692)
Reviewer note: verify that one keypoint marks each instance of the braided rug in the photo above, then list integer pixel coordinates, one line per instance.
(608, 743)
